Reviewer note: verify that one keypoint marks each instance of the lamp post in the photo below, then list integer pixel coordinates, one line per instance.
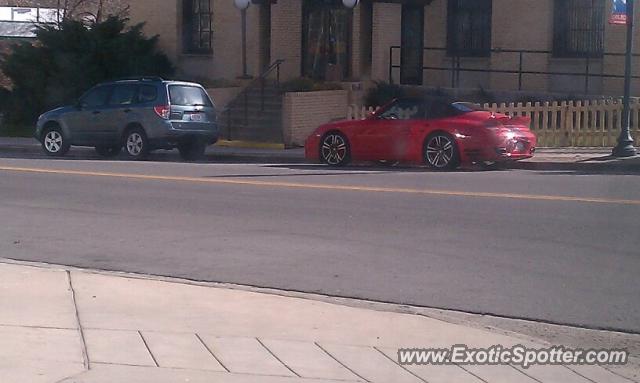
(625, 141)
(242, 5)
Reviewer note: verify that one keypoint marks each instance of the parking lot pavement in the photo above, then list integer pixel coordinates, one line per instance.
(95, 327)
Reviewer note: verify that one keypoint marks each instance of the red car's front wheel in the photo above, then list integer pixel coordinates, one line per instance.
(334, 149)
(441, 152)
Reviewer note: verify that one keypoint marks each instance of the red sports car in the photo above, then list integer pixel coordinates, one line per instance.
(438, 133)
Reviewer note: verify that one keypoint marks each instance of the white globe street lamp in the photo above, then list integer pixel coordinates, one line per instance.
(350, 3)
(242, 4)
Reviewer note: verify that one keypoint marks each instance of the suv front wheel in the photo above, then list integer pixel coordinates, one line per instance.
(136, 144)
(54, 143)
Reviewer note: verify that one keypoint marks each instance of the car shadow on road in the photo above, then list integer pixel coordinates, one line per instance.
(368, 168)
(605, 165)
(293, 174)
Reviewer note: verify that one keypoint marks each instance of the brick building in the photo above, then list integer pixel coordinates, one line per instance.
(324, 39)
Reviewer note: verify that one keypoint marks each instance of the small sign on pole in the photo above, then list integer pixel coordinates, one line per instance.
(618, 12)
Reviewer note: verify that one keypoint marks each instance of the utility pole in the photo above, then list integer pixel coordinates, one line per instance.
(625, 141)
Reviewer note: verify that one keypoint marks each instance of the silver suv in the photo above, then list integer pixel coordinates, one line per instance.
(138, 115)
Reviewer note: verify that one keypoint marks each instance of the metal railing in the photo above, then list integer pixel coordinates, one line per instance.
(241, 102)
(455, 66)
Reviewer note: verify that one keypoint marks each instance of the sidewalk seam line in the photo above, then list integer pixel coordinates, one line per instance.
(276, 357)
(211, 352)
(579, 374)
(471, 373)
(619, 375)
(524, 373)
(399, 365)
(148, 349)
(83, 341)
(342, 364)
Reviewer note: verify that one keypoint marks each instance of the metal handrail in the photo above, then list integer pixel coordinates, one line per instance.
(456, 68)
(244, 94)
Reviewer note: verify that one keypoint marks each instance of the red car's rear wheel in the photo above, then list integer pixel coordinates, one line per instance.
(441, 152)
(335, 150)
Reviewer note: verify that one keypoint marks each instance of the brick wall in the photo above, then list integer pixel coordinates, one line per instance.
(303, 112)
(387, 19)
(164, 18)
(286, 36)
(526, 25)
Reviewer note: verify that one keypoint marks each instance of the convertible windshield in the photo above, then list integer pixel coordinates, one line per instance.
(466, 107)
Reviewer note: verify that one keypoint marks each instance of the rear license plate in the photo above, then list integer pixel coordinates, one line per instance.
(196, 117)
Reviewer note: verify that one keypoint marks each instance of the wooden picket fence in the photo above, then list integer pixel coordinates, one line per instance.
(588, 123)
(593, 123)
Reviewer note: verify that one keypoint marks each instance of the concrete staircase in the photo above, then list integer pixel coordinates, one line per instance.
(255, 115)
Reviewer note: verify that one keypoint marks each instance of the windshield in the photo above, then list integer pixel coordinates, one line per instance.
(466, 107)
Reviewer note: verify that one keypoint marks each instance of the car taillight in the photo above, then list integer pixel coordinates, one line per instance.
(163, 111)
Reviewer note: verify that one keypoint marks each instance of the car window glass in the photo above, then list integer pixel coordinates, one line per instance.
(404, 110)
(184, 95)
(442, 109)
(147, 93)
(123, 95)
(96, 97)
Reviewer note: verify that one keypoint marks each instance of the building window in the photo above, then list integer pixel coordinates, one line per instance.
(579, 28)
(326, 40)
(197, 26)
(469, 28)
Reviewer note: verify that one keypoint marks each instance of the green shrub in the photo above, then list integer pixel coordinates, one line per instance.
(382, 93)
(306, 84)
(71, 57)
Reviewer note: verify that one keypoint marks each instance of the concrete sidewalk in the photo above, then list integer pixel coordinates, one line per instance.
(30, 146)
(559, 159)
(77, 326)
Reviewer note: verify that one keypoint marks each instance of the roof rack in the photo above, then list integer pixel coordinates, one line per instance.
(140, 78)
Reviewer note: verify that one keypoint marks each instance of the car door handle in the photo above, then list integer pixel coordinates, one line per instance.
(96, 112)
(127, 110)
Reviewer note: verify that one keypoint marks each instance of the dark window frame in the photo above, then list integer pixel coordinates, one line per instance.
(307, 6)
(475, 34)
(578, 28)
(197, 26)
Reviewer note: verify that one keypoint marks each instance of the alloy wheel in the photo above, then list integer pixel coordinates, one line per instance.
(335, 150)
(53, 142)
(440, 152)
(135, 144)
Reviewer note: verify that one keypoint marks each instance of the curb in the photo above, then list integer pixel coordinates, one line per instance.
(250, 145)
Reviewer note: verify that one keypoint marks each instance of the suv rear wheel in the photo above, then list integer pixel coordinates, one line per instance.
(54, 143)
(192, 150)
(136, 144)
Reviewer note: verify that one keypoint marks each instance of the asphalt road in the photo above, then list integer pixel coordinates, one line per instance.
(552, 246)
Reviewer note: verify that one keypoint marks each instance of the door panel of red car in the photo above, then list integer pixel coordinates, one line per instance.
(381, 139)
(386, 137)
